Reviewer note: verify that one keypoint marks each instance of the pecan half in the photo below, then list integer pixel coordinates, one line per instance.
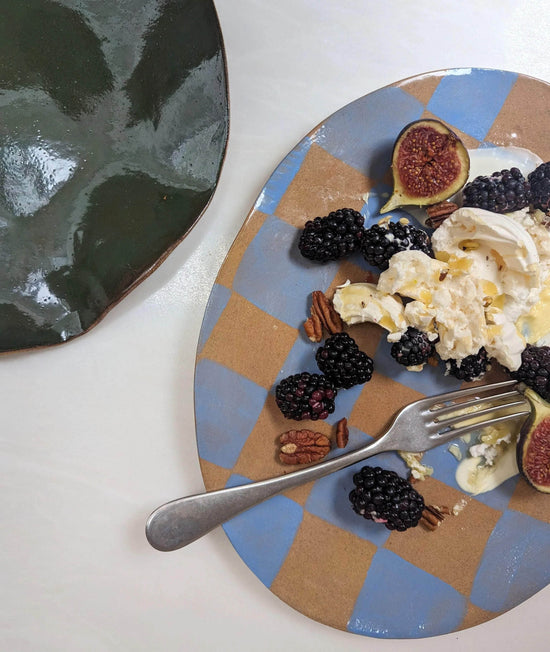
(303, 446)
(432, 517)
(322, 309)
(342, 433)
(314, 328)
(438, 213)
(323, 317)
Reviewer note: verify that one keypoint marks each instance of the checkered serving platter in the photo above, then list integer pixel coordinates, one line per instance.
(307, 546)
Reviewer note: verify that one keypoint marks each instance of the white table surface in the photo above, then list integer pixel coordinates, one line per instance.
(98, 432)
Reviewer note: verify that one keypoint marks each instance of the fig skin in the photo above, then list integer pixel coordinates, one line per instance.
(533, 447)
(421, 175)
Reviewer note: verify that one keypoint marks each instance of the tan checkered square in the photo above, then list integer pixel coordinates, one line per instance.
(526, 125)
(313, 578)
(528, 500)
(348, 271)
(475, 616)
(247, 233)
(422, 89)
(450, 552)
(215, 477)
(249, 341)
(323, 184)
(378, 402)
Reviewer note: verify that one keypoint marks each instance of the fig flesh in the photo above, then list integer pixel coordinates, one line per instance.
(533, 448)
(429, 165)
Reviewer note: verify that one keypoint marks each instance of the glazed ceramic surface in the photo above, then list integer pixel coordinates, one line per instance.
(113, 131)
(308, 547)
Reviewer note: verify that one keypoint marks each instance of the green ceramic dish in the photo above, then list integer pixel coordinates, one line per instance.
(113, 132)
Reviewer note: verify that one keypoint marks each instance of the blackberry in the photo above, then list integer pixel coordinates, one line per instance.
(380, 242)
(306, 396)
(502, 192)
(332, 237)
(535, 369)
(342, 362)
(383, 496)
(472, 367)
(414, 348)
(540, 187)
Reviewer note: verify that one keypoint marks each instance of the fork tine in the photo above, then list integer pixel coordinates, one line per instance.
(454, 433)
(467, 416)
(434, 401)
(494, 399)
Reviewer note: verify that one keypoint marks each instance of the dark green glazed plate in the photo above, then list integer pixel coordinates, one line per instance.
(113, 128)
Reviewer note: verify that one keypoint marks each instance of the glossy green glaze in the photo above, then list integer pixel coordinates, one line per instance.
(113, 128)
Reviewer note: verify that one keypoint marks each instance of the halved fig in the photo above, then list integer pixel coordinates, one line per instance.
(533, 448)
(429, 165)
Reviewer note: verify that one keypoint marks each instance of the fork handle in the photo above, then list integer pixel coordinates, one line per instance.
(182, 521)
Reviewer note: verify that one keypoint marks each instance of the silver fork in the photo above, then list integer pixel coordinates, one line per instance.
(418, 427)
